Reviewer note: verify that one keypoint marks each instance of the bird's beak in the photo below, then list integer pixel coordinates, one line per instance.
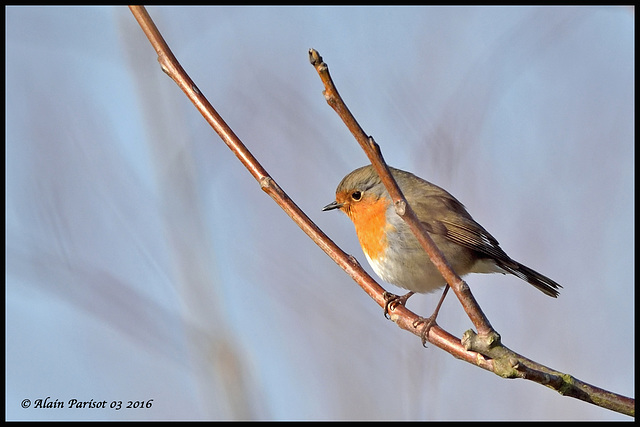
(332, 205)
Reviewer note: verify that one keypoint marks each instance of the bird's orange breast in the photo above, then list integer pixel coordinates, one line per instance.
(370, 220)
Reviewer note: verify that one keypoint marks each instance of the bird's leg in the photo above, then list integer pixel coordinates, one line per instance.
(430, 321)
(392, 301)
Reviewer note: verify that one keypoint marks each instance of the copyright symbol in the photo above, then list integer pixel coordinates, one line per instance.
(26, 403)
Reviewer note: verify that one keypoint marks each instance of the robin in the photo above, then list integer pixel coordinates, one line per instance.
(395, 254)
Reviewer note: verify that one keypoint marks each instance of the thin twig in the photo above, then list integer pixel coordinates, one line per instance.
(372, 149)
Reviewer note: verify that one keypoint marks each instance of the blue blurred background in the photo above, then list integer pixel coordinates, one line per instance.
(144, 262)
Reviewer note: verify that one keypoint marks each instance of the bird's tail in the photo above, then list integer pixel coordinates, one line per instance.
(541, 282)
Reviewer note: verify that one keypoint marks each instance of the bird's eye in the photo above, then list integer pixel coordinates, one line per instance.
(356, 195)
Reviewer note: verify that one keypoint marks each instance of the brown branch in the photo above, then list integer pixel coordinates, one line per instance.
(508, 364)
(403, 209)
(403, 317)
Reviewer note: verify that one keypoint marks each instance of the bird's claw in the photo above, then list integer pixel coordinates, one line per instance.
(392, 301)
(428, 323)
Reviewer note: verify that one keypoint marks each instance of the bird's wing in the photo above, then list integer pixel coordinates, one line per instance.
(449, 218)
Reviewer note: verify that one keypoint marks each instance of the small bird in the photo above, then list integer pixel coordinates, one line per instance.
(393, 251)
